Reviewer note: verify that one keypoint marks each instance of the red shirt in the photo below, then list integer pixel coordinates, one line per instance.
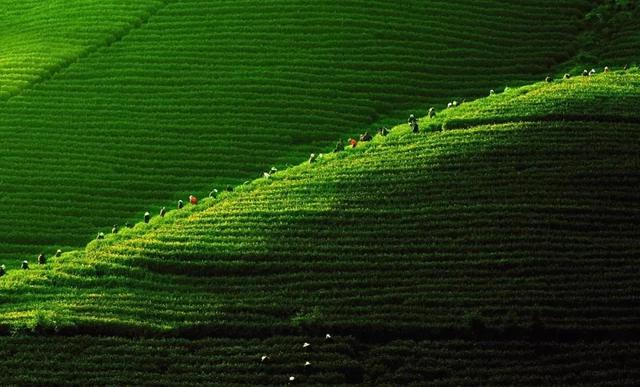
(193, 199)
(353, 142)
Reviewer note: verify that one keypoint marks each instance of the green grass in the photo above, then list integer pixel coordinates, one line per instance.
(39, 39)
(498, 246)
(161, 99)
(535, 218)
(491, 254)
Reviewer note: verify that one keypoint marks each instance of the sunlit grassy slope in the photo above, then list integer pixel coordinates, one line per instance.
(505, 221)
(499, 241)
(202, 94)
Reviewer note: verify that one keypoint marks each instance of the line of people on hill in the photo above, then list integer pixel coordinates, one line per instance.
(340, 146)
(42, 260)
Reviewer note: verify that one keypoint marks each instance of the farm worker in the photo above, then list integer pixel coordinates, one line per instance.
(339, 146)
(606, 69)
(147, 217)
(365, 137)
(3, 270)
(25, 265)
(115, 229)
(353, 142)
(193, 200)
(100, 235)
(585, 73)
(548, 79)
(383, 131)
(163, 211)
(42, 259)
(413, 123)
(214, 193)
(432, 112)
(58, 253)
(180, 204)
(312, 158)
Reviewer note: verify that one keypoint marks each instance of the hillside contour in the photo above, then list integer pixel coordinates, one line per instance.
(116, 106)
(39, 39)
(495, 238)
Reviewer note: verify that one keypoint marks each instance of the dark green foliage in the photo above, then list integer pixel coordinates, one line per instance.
(83, 360)
(179, 96)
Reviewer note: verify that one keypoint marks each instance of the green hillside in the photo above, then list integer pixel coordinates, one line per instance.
(38, 39)
(422, 254)
(612, 33)
(143, 104)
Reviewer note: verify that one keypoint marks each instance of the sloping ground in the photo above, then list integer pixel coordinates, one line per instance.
(39, 38)
(609, 99)
(613, 33)
(87, 360)
(495, 254)
(210, 93)
(504, 223)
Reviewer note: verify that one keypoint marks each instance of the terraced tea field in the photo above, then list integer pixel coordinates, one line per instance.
(122, 108)
(39, 39)
(498, 253)
(613, 33)
(498, 245)
(341, 361)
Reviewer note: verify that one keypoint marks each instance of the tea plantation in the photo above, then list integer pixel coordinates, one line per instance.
(112, 108)
(497, 246)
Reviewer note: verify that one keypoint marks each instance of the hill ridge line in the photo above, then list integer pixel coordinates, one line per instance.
(449, 124)
(116, 36)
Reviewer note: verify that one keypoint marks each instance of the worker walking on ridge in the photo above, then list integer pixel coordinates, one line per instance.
(214, 194)
(365, 137)
(180, 204)
(432, 112)
(353, 142)
(100, 236)
(42, 259)
(58, 253)
(147, 217)
(163, 212)
(383, 131)
(25, 265)
(3, 270)
(312, 158)
(115, 229)
(413, 124)
(193, 200)
(339, 146)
